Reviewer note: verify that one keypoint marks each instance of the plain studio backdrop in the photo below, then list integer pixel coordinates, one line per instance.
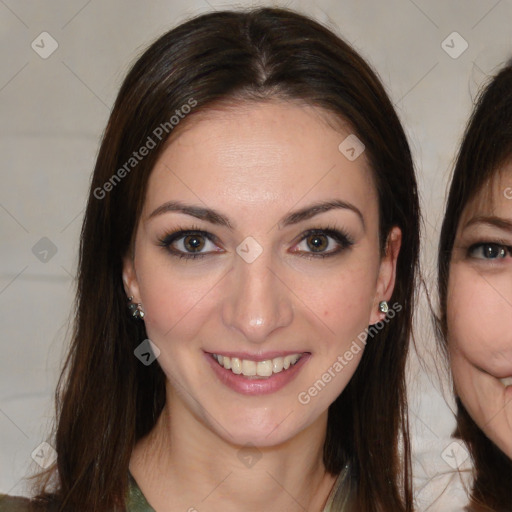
(62, 63)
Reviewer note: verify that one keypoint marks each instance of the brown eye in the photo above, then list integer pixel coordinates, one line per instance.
(322, 243)
(190, 244)
(317, 243)
(193, 243)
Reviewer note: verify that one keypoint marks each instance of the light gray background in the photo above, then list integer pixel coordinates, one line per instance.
(54, 110)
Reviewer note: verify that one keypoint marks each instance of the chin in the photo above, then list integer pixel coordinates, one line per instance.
(263, 432)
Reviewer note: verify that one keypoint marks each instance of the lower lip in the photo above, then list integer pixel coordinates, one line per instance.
(250, 386)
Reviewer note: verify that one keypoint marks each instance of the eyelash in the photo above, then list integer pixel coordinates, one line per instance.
(340, 237)
(497, 243)
(169, 238)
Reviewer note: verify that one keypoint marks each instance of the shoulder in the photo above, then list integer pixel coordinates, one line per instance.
(14, 504)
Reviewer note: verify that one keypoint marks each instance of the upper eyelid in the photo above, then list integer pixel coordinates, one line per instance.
(180, 233)
(500, 243)
(493, 235)
(467, 242)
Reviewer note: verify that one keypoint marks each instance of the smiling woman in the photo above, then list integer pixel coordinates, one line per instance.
(257, 244)
(475, 284)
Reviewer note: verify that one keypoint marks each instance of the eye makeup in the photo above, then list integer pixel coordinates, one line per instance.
(193, 243)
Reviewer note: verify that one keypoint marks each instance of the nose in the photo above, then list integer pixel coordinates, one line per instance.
(258, 302)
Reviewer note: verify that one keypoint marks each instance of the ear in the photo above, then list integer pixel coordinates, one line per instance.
(131, 285)
(387, 273)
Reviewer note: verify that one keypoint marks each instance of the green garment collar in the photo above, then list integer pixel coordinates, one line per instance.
(136, 501)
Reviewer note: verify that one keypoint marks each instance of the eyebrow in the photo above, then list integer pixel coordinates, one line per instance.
(493, 221)
(199, 212)
(218, 218)
(315, 209)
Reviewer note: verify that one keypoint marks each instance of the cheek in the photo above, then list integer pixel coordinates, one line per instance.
(478, 316)
(172, 299)
(342, 299)
(349, 296)
(331, 300)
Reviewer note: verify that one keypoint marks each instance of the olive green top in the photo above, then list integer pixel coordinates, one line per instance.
(136, 502)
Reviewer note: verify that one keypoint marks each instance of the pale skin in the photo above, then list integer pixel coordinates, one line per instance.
(479, 310)
(255, 165)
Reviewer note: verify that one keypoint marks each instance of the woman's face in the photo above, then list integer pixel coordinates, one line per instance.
(479, 310)
(258, 242)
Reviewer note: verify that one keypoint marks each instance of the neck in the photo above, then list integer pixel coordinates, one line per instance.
(184, 465)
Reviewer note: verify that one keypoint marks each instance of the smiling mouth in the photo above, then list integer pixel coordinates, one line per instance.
(257, 369)
(507, 381)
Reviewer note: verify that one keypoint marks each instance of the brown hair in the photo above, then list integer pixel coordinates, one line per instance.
(486, 146)
(106, 400)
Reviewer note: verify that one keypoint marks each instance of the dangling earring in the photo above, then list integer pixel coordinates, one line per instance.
(383, 306)
(135, 309)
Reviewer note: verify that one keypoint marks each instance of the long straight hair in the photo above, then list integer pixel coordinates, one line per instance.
(106, 399)
(486, 146)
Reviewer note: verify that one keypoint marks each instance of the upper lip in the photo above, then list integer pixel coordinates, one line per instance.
(260, 356)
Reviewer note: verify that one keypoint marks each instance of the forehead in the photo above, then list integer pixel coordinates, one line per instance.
(257, 154)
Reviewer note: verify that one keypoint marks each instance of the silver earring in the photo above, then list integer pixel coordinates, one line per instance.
(135, 309)
(383, 306)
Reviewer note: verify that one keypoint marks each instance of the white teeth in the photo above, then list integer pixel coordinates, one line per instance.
(506, 382)
(264, 368)
(236, 365)
(248, 367)
(277, 364)
(251, 368)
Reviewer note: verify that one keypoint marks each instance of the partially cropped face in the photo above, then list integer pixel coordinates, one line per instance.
(479, 310)
(257, 264)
